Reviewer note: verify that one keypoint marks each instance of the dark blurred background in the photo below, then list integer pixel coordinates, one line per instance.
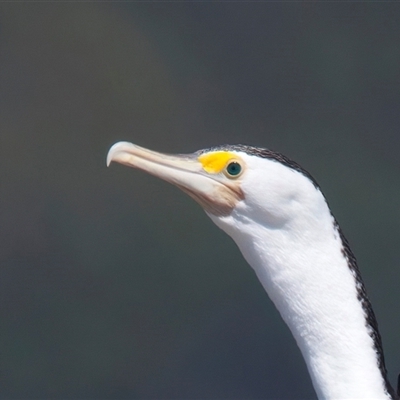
(114, 285)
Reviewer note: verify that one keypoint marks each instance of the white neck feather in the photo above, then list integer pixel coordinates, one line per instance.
(302, 267)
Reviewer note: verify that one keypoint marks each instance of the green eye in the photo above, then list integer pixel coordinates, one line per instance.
(233, 168)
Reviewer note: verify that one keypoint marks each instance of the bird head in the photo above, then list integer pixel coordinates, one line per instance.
(233, 184)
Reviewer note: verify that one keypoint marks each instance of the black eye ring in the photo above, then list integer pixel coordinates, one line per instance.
(233, 169)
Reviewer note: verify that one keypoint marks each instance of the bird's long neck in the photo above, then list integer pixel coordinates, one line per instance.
(310, 274)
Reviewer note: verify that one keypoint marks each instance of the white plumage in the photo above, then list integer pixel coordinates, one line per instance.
(280, 220)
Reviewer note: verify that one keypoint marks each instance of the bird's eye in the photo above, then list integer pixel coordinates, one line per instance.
(233, 169)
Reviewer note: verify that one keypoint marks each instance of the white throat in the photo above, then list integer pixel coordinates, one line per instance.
(302, 266)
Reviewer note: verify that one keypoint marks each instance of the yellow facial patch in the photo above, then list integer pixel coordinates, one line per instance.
(215, 162)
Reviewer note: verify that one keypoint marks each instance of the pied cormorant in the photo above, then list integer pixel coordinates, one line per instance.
(277, 215)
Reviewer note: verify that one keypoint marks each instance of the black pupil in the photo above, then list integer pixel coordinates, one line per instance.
(234, 168)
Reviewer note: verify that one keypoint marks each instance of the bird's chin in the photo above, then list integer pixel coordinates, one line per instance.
(220, 202)
(215, 194)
